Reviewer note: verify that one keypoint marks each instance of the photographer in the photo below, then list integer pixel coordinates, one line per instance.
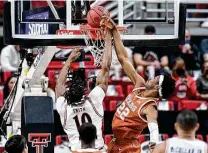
(185, 84)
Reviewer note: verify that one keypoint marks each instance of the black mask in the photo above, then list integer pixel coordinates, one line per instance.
(206, 71)
(180, 72)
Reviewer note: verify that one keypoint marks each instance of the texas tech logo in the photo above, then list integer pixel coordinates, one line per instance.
(39, 140)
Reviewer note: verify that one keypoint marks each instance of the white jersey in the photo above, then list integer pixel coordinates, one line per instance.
(88, 151)
(178, 145)
(72, 117)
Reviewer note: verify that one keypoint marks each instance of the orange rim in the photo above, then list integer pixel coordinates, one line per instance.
(92, 31)
(70, 47)
(89, 28)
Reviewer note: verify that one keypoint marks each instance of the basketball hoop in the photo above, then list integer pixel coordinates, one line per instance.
(95, 40)
(69, 32)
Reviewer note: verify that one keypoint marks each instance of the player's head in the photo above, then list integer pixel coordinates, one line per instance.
(149, 30)
(77, 87)
(87, 134)
(16, 144)
(162, 86)
(186, 122)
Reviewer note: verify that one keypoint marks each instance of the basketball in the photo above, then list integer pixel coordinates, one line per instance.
(95, 14)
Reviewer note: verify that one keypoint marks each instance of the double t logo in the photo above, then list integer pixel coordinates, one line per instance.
(39, 140)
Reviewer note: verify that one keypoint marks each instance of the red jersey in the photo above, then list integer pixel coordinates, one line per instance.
(129, 120)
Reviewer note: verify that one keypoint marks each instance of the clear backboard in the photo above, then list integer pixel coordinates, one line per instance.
(35, 23)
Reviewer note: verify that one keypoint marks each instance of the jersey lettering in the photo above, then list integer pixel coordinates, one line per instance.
(123, 111)
(85, 118)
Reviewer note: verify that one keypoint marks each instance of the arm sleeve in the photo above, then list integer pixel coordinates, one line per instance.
(154, 132)
(97, 95)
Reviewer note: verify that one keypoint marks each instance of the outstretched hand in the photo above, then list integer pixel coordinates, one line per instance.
(107, 22)
(74, 54)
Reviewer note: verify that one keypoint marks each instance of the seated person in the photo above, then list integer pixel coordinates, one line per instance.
(140, 63)
(202, 82)
(185, 84)
(204, 49)
(9, 84)
(190, 53)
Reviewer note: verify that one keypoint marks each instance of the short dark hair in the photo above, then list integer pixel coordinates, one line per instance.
(87, 133)
(149, 29)
(16, 144)
(168, 85)
(187, 120)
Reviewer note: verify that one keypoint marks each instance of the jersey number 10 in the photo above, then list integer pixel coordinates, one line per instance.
(85, 118)
(123, 111)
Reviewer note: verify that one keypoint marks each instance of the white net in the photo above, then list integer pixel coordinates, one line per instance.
(94, 39)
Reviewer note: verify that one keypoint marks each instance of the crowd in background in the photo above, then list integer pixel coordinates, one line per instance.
(187, 63)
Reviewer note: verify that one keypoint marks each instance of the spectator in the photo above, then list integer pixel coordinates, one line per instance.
(88, 135)
(10, 58)
(185, 84)
(8, 86)
(139, 53)
(190, 53)
(202, 82)
(16, 144)
(204, 49)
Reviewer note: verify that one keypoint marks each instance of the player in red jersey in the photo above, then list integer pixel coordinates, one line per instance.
(139, 109)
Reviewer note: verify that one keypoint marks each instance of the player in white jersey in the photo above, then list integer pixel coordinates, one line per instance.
(186, 126)
(88, 135)
(75, 107)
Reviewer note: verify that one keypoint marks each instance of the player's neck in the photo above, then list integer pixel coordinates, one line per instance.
(148, 94)
(186, 135)
(89, 146)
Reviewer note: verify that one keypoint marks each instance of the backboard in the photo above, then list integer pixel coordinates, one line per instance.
(35, 23)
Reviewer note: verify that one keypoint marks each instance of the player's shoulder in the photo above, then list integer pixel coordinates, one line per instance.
(60, 103)
(97, 94)
(88, 151)
(200, 142)
(97, 89)
(180, 140)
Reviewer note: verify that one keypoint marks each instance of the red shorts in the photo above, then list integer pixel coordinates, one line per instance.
(122, 146)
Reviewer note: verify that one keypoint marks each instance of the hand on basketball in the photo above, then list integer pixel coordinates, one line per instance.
(107, 22)
(151, 146)
(74, 54)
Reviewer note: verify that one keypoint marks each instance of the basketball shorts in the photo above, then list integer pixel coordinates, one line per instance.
(122, 146)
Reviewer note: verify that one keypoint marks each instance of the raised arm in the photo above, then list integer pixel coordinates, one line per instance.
(102, 78)
(160, 148)
(60, 84)
(151, 114)
(122, 54)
